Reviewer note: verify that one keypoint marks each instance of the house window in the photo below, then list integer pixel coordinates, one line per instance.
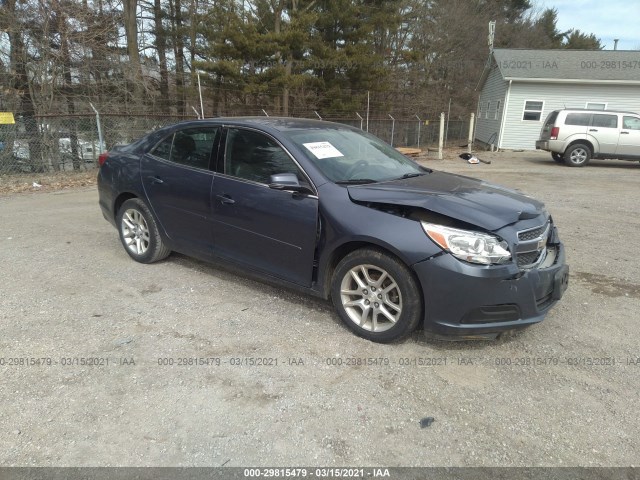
(486, 113)
(497, 110)
(596, 106)
(532, 110)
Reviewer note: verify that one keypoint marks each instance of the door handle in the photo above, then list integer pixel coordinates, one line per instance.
(593, 129)
(226, 199)
(156, 180)
(624, 133)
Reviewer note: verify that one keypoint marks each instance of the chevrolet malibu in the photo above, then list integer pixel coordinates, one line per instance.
(335, 212)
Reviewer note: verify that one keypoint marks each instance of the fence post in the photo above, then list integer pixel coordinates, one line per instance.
(446, 134)
(361, 120)
(100, 139)
(441, 137)
(470, 140)
(419, 123)
(393, 127)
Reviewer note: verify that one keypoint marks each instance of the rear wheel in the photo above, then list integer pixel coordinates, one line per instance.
(139, 232)
(376, 296)
(558, 157)
(577, 155)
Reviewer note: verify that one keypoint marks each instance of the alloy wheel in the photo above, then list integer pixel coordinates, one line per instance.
(135, 231)
(371, 298)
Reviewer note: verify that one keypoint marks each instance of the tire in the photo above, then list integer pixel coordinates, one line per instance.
(139, 232)
(557, 157)
(577, 155)
(376, 296)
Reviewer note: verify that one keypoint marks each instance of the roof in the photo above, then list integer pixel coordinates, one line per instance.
(280, 123)
(566, 65)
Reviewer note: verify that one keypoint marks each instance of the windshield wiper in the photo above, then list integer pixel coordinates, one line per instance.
(411, 175)
(356, 181)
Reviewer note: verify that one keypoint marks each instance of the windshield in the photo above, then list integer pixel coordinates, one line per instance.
(352, 156)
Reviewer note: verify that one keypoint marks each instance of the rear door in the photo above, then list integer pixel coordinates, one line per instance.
(605, 129)
(629, 142)
(177, 179)
(273, 231)
(575, 127)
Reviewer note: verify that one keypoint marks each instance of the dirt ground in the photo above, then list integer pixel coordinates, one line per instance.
(106, 362)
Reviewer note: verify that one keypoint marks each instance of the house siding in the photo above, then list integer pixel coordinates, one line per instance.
(495, 87)
(522, 134)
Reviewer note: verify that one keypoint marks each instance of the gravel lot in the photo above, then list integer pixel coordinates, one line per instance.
(563, 393)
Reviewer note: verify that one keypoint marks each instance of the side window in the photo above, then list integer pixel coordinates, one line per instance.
(580, 119)
(532, 110)
(253, 156)
(163, 149)
(605, 121)
(631, 123)
(192, 147)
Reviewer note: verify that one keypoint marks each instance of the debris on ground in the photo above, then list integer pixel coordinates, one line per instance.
(472, 159)
(426, 422)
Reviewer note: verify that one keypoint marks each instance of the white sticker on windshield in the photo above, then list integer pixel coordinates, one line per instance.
(323, 150)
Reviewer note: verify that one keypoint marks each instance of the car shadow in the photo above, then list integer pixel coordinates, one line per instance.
(236, 275)
(241, 277)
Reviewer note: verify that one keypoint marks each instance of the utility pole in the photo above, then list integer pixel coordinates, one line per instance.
(492, 34)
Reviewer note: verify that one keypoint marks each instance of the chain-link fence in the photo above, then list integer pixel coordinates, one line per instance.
(67, 143)
(72, 143)
(412, 133)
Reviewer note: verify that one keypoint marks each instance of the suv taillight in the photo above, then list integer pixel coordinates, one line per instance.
(103, 158)
(554, 133)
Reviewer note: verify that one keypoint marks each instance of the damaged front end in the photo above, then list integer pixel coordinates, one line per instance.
(501, 264)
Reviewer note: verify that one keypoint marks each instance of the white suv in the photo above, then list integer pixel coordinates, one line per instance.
(575, 136)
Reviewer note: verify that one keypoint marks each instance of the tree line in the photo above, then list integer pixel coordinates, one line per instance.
(288, 57)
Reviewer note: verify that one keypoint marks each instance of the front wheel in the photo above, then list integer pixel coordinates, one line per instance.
(577, 155)
(139, 232)
(376, 296)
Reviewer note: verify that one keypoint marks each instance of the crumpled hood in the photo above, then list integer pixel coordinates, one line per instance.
(467, 199)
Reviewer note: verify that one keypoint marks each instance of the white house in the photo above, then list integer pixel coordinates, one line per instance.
(519, 88)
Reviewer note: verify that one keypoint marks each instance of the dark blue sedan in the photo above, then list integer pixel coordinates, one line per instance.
(333, 211)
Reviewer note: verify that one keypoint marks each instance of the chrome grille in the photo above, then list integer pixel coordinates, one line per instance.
(532, 246)
(532, 234)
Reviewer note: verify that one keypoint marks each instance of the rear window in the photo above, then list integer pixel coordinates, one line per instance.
(581, 119)
(551, 119)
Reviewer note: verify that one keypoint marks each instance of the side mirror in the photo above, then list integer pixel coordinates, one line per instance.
(286, 181)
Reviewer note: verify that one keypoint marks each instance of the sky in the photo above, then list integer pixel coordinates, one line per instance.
(607, 19)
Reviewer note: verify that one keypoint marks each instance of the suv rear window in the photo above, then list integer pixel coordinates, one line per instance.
(551, 119)
(581, 119)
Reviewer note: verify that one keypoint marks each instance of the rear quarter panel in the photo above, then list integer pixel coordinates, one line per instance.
(119, 175)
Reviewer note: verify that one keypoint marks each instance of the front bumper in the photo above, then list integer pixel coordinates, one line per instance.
(470, 301)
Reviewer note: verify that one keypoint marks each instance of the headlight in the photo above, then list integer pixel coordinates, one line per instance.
(475, 247)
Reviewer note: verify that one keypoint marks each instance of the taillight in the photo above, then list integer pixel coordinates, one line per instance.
(103, 158)
(554, 133)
